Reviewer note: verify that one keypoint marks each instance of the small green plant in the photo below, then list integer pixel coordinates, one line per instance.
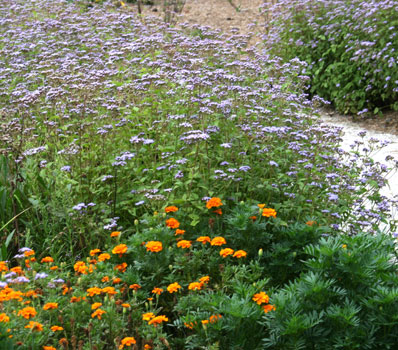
(348, 298)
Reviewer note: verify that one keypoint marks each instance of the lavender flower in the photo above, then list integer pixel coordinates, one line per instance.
(41, 275)
(66, 168)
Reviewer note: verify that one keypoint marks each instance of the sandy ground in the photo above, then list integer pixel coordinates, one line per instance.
(240, 16)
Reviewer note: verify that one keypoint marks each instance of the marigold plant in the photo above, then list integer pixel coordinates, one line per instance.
(213, 203)
(171, 209)
(173, 287)
(184, 244)
(154, 246)
(268, 212)
(120, 250)
(172, 223)
(217, 241)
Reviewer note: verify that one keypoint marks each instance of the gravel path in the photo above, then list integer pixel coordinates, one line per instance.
(351, 131)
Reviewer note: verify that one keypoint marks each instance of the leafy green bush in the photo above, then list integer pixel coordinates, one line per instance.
(350, 48)
(348, 298)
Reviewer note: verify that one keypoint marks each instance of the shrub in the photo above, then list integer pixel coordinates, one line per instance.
(346, 300)
(349, 48)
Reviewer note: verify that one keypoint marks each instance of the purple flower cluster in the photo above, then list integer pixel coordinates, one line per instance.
(166, 113)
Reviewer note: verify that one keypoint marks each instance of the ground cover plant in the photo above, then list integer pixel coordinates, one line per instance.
(137, 157)
(350, 48)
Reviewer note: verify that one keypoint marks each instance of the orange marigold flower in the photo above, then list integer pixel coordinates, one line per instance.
(105, 279)
(195, 286)
(66, 289)
(204, 279)
(18, 270)
(184, 244)
(261, 298)
(50, 306)
(154, 246)
(268, 212)
(157, 291)
(120, 250)
(240, 254)
(268, 307)
(4, 318)
(27, 312)
(148, 316)
(171, 209)
(35, 326)
(172, 223)
(103, 257)
(116, 280)
(203, 239)
(134, 286)
(253, 218)
(63, 342)
(214, 318)
(47, 259)
(310, 223)
(75, 299)
(31, 293)
(158, 320)
(98, 313)
(48, 348)
(179, 232)
(218, 241)
(226, 251)
(27, 263)
(213, 203)
(80, 267)
(94, 291)
(95, 306)
(3, 266)
(173, 287)
(56, 328)
(53, 268)
(109, 290)
(261, 206)
(128, 341)
(115, 234)
(29, 252)
(218, 211)
(121, 267)
(126, 305)
(94, 251)
(205, 321)
(147, 347)
(189, 325)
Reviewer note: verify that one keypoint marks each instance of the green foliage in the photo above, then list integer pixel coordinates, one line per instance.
(346, 300)
(5, 342)
(282, 245)
(349, 48)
